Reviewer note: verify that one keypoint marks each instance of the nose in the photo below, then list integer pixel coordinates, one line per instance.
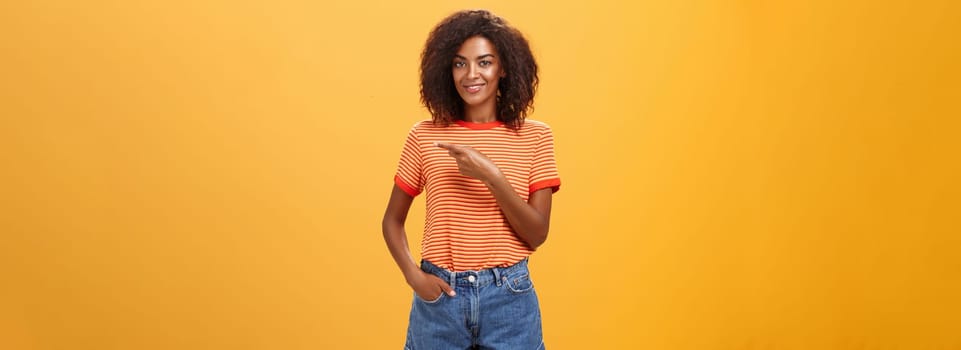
(473, 71)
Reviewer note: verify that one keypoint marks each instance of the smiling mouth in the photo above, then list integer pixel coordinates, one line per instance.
(473, 88)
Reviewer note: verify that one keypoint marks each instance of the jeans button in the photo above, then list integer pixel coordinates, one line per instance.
(471, 278)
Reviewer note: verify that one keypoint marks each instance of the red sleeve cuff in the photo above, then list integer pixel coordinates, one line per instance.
(554, 184)
(404, 186)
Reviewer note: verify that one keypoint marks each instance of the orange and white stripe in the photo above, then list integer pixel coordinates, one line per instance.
(465, 229)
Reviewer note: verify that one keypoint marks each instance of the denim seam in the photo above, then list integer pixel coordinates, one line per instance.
(435, 301)
(511, 285)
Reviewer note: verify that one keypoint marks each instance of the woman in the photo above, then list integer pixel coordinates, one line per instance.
(488, 175)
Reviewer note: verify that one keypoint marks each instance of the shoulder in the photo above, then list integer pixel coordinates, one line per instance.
(425, 125)
(536, 127)
(420, 126)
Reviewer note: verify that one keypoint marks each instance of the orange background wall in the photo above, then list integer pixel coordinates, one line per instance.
(737, 174)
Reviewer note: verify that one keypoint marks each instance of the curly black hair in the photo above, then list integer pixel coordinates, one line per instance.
(516, 90)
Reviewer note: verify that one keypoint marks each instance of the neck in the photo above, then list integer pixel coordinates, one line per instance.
(480, 114)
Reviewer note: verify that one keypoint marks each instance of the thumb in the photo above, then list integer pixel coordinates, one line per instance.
(447, 289)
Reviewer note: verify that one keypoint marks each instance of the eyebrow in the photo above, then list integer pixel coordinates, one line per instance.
(478, 57)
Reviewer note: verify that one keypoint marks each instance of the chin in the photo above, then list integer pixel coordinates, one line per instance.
(474, 100)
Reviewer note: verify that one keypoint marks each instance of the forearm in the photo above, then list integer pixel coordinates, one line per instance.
(425, 285)
(396, 238)
(394, 233)
(528, 223)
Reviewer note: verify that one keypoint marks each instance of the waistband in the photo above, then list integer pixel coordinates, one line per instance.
(495, 275)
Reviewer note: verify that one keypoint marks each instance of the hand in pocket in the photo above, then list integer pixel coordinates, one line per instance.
(429, 287)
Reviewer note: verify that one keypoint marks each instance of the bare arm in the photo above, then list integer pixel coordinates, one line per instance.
(531, 219)
(426, 285)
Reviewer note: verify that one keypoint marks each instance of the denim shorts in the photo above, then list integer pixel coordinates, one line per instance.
(494, 308)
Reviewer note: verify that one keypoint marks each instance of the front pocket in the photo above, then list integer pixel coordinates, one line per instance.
(439, 297)
(519, 284)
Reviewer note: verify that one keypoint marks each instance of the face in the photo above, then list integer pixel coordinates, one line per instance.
(477, 70)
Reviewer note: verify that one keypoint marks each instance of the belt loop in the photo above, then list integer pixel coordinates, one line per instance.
(497, 275)
(453, 279)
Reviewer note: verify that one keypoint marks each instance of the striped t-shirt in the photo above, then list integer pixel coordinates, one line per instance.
(465, 228)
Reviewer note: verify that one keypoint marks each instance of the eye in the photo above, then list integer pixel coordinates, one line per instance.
(459, 64)
(485, 63)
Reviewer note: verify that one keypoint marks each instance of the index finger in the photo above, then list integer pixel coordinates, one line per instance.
(448, 146)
